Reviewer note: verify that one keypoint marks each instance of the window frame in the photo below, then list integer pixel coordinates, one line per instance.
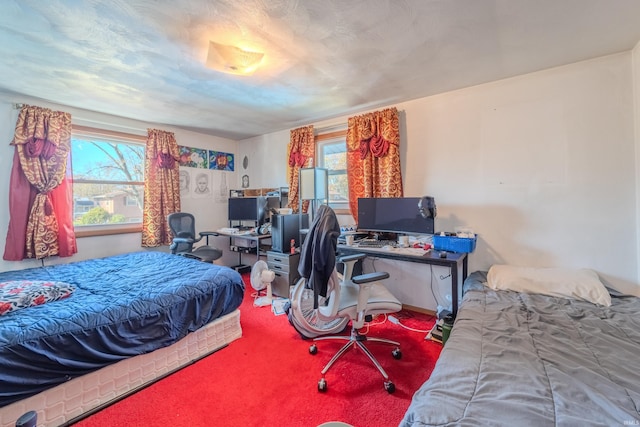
(80, 132)
(330, 138)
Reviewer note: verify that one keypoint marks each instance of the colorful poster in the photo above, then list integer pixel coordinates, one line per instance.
(221, 161)
(193, 157)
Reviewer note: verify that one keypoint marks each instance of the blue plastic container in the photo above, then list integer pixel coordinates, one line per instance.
(454, 243)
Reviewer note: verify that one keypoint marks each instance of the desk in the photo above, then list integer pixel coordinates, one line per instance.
(248, 236)
(453, 261)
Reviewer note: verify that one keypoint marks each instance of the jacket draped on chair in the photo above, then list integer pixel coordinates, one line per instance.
(318, 254)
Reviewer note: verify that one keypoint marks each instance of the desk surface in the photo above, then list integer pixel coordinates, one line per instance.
(453, 261)
(406, 254)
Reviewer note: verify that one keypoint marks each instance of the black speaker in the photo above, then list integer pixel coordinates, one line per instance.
(285, 228)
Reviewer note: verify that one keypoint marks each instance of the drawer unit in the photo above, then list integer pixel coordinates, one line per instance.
(285, 266)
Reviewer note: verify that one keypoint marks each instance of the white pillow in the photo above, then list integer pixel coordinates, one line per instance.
(560, 282)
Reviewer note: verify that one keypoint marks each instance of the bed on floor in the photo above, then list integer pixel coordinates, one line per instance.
(94, 330)
(517, 357)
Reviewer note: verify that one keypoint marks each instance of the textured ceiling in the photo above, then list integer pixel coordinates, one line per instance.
(145, 59)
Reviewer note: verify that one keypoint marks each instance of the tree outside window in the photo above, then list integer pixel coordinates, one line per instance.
(332, 155)
(108, 181)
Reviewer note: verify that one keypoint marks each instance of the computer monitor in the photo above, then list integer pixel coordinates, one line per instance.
(250, 209)
(393, 215)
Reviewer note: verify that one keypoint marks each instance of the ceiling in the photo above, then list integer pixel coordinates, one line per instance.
(146, 59)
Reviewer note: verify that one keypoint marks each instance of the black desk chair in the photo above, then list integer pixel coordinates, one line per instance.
(183, 227)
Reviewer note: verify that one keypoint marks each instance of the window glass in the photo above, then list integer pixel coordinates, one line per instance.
(332, 155)
(108, 181)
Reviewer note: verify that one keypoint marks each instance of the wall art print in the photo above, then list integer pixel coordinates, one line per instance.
(221, 161)
(193, 157)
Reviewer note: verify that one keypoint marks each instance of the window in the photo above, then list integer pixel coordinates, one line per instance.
(332, 155)
(108, 181)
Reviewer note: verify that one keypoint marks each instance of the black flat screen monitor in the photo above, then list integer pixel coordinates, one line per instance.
(392, 215)
(248, 209)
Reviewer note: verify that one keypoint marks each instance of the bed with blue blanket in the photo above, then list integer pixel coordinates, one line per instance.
(108, 310)
(536, 349)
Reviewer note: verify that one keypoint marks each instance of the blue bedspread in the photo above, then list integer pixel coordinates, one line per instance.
(122, 306)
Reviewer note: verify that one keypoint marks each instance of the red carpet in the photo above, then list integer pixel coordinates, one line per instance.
(268, 378)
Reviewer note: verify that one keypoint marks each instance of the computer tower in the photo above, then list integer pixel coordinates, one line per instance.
(285, 228)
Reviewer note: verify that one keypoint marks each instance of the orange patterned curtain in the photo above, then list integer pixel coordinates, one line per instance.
(161, 187)
(40, 199)
(300, 154)
(373, 157)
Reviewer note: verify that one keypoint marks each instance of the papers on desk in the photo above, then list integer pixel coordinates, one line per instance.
(234, 231)
(412, 251)
(403, 251)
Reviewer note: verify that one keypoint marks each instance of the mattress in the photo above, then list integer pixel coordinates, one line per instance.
(529, 359)
(67, 403)
(123, 306)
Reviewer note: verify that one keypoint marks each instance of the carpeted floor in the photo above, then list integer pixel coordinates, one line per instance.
(268, 378)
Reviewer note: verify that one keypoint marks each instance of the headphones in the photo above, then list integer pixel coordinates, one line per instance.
(427, 207)
(265, 228)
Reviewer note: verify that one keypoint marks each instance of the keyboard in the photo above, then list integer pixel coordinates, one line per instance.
(373, 243)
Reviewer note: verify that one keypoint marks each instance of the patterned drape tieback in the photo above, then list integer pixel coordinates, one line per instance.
(377, 145)
(37, 147)
(297, 159)
(166, 161)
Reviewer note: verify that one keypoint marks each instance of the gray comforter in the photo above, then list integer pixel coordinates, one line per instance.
(532, 360)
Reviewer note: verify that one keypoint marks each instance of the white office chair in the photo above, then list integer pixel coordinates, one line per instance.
(349, 298)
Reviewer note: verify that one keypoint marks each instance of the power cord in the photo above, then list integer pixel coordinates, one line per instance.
(396, 321)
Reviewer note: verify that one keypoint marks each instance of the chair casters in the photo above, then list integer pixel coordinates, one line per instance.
(389, 386)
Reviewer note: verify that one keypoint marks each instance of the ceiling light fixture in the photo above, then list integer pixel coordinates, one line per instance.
(232, 59)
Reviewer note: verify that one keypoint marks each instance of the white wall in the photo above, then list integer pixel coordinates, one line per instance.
(542, 166)
(636, 120)
(210, 213)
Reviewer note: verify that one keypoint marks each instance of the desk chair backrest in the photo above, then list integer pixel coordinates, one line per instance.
(183, 224)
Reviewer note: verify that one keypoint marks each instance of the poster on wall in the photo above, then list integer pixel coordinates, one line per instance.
(202, 186)
(221, 161)
(193, 157)
(185, 183)
(222, 193)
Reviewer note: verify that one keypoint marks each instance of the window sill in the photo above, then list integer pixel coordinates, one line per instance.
(339, 211)
(106, 230)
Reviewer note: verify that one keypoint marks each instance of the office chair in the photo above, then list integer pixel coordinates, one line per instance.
(182, 226)
(317, 312)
